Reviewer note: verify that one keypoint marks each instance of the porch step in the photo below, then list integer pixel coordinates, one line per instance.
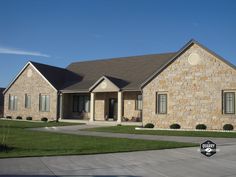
(114, 123)
(100, 122)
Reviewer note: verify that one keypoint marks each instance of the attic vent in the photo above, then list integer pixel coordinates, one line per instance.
(104, 85)
(29, 73)
(194, 59)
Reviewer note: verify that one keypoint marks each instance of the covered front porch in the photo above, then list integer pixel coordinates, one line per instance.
(104, 101)
(101, 106)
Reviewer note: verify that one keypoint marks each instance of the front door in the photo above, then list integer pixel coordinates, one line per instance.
(113, 108)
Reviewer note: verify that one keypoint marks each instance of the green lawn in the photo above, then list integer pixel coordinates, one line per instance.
(131, 130)
(33, 143)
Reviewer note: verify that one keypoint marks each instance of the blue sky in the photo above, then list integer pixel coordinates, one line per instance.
(59, 32)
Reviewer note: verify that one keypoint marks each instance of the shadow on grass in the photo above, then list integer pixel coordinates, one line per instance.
(5, 148)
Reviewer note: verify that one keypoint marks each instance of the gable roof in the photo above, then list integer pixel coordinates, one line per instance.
(180, 52)
(58, 77)
(55, 76)
(113, 81)
(128, 73)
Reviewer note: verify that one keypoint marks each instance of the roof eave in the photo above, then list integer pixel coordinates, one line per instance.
(21, 71)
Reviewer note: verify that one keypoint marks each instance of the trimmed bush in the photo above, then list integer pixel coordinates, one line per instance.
(228, 127)
(19, 117)
(125, 119)
(44, 119)
(175, 126)
(201, 127)
(28, 118)
(149, 125)
(9, 117)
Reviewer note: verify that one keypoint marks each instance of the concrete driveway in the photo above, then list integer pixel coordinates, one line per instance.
(76, 130)
(160, 163)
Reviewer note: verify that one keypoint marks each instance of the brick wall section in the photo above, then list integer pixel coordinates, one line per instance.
(194, 92)
(33, 86)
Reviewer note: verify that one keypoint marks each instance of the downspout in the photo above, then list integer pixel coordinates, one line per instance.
(142, 106)
(58, 105)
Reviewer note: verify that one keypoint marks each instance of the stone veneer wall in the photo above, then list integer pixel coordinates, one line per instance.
(32, 86)
(129, 105)
(194, 92)
(102, 104)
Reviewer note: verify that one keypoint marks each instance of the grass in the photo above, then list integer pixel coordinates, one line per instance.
(25, 143)
(28, 124)
(131, 130)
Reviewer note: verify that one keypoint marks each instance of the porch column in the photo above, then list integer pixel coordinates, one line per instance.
(61, 106)
(120, 105)
(92, 100)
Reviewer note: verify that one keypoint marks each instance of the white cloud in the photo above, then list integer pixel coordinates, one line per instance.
(13, 51)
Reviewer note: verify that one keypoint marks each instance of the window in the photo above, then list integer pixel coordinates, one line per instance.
(81, 103)
(44, 103)
(12, 103)
(162, 103)
(138, 103)
(229, 103)
(27, 101)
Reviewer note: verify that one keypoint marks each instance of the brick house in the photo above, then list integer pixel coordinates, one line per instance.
(191, 86)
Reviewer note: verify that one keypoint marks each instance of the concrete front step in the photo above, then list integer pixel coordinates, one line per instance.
(112, 123)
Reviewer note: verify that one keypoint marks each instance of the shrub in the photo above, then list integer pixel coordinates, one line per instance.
(125, 119)
(228, 127)
(119, 125)
(9, 117)
(175, 126)
(201, 127)
(28, 118)
(44, 119)
(149, 125)
(19, 117)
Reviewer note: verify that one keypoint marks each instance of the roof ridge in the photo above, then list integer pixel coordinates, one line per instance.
(33, 62)
(118, 58)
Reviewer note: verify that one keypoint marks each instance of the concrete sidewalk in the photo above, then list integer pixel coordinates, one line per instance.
(77, 131)
(160, 163)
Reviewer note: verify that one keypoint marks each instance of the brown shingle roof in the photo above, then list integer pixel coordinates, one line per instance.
(58, 77)
(128, 73)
